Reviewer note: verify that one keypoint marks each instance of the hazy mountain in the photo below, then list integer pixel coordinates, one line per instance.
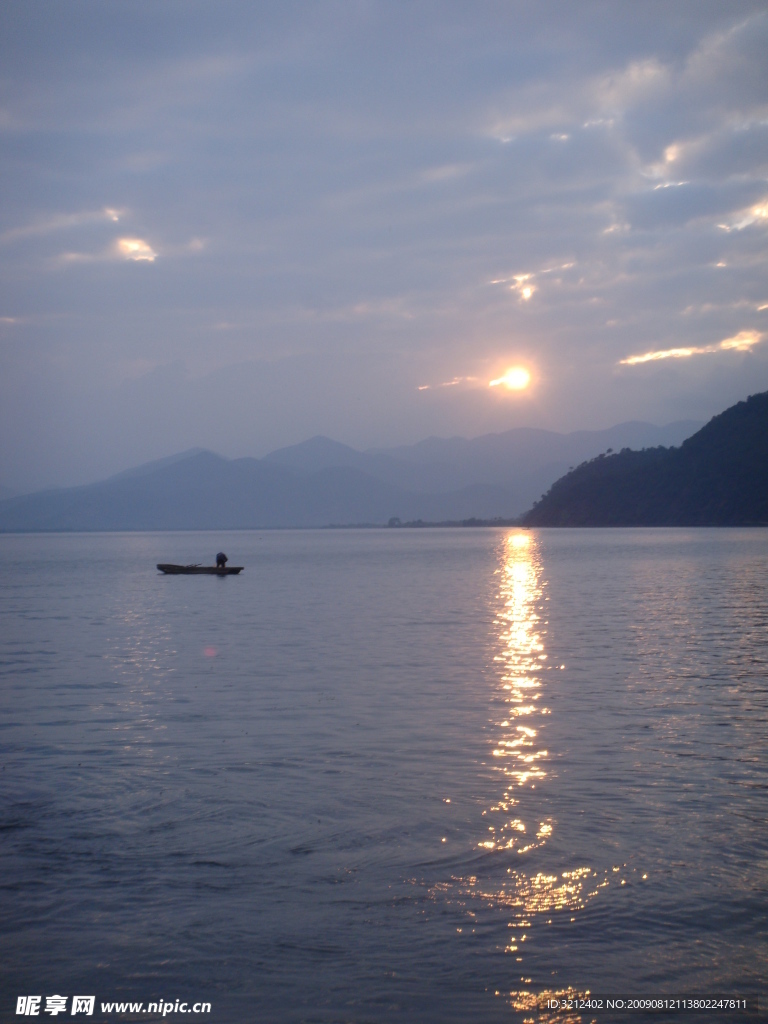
(718, 477)
(502, 449)
(159, 464)
(523, 461)
(315, 454)
(204, 491)
(321, 482)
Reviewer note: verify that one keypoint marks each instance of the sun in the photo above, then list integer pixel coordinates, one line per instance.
(517, 378)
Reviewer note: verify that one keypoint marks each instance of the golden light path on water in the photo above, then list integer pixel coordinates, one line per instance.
(512, 828)
(519, 756)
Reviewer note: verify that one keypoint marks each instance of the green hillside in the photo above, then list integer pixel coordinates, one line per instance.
(718, 477)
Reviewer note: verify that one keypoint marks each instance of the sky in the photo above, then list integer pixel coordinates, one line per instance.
(236, 225)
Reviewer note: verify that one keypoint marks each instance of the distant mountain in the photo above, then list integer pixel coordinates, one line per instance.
(717, 477)
(322, 482)
(523, 462)
(490, 452)
(156, 464)
(207, 492)
(5, 493)
(315, 454)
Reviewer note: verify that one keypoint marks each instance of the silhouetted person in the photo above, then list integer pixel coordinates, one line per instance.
(221, 560)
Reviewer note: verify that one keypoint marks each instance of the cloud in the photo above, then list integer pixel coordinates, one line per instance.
(744, 341)
(521, 284)
(595, 101)
(61, 222)
(524, 286)
(446, 172)
(135, 249)
(756, 215)
(670, 205)
(454, 382)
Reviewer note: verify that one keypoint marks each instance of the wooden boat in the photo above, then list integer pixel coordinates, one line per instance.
(198, 570)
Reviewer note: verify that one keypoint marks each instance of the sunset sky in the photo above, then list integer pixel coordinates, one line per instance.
(240, 224)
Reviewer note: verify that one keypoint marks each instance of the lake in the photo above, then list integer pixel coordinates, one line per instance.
(385, 775)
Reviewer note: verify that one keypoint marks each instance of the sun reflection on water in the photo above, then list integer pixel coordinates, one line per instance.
(519, 879)
(519, 755)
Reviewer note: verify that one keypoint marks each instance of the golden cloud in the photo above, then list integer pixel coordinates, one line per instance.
(741, 342)
(135, 249)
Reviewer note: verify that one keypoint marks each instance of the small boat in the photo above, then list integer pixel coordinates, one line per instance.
(198, 570)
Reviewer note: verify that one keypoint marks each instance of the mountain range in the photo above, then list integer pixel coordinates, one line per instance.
(321, 482)
(717, 477)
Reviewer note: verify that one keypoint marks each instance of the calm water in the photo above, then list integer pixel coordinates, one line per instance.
(385, 775)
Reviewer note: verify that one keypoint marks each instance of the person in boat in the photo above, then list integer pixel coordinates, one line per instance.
(221, 560)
